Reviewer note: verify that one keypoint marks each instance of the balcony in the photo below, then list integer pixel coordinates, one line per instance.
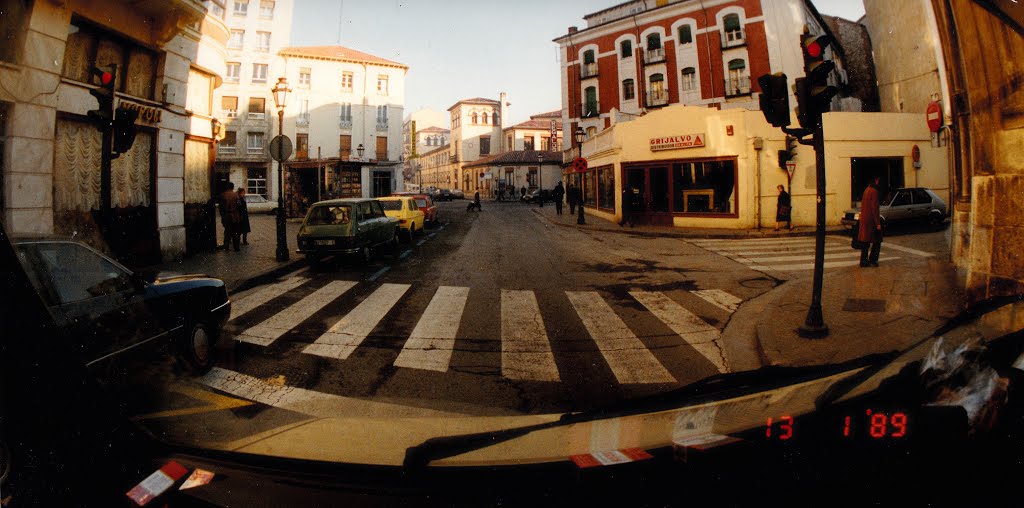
(257, 116)
(229, 113)
(654, 55)
(735, 87)
(733, 38)
(590, 109)
(345, 122)
(588, 70)
(382, 126)
(302, 119)
(226, 150)
(657, 98)
(254, 150)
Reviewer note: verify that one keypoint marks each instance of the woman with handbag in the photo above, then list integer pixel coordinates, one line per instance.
(784, 209)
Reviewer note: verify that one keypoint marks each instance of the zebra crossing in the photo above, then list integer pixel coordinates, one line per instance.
(784, 254)
(526, 352)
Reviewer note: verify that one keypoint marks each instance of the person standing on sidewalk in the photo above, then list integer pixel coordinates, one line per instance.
(627, 206)
(570, 196)
(558, 194)
(784, 209)
(230, 216)
(243, 209)
(869, 231)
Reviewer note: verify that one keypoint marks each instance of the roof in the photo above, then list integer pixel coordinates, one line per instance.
(550, 114)
(476, 100)
(433, 129)
(339, 53)
(517, 158)
(541, 125)
(438, 149)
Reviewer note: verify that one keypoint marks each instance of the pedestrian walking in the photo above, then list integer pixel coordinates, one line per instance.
(869, 231)
(628, 199)
(522, 193)
(558, 194)
(229, 216)
(570, 196)
(243, 212)
(784, 209)
(475, 203)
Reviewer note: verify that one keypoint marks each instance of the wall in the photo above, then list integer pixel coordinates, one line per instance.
(904, 45)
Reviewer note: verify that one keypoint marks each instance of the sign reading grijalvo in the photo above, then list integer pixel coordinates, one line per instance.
(680, 141)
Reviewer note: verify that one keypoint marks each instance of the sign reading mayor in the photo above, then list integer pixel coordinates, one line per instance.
(675, 142)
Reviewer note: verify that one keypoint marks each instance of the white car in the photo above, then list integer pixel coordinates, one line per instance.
(259, 204)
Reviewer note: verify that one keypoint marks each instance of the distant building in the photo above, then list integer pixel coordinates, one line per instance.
(345, 117)
(862, 83)
(476, 129)
(422, 131)
(540, 132)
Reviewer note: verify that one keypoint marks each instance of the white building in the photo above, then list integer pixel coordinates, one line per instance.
(345, 117)
(258, 30)
(422, 131)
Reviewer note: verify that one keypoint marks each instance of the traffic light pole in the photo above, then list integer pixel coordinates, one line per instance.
(282, 225)
(814, 325)
(106, 146)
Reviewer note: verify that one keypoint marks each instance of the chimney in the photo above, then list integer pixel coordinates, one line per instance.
(503, 98)
(572, 30)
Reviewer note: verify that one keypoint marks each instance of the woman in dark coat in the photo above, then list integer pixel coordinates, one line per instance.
(243, 209)
(869, 230)
(784, 209)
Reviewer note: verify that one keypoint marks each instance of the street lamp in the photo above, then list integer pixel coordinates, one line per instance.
(540, 179)
(360, 150)
(280, 92)
(578, 135)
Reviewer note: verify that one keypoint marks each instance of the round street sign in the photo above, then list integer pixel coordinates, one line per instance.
(280, 148)
(934, 116)
(579, 164)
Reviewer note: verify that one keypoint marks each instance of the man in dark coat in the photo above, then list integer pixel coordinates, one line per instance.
(570, 196)
(475, 203)
(230, 216)
(869, 231)
(784, 209)
(243, 225)
(628, 199)
(557, 195)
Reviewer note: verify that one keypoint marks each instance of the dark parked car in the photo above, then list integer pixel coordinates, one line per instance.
(532, 196)
(443, 195)
(904, 205)
(119, 319)
(346, 226)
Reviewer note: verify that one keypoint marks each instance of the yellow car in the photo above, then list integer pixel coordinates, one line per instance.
(403, 208)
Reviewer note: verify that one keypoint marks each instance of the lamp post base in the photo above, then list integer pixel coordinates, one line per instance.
(579, 218)
(814, 326)
(282, 235)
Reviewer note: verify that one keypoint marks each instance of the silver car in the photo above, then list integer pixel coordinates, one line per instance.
(902, 205)
(259, 204)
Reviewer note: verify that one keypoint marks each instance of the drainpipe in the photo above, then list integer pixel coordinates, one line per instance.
(758, 147)
(707, 40)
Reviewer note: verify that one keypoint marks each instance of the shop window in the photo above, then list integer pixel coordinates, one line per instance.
(606, 188)
(704, 187)
(590, 188)
(256, 181)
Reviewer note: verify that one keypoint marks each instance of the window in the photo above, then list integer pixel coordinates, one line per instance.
(588, 57)
(733, 31)
(689, 81)
(237, 39)
(241, 7)
(382, 116)
(494, 118)
(653, 42)
(346, 113)
(266, 9)
(545, 143)
(531, 178)
(382, 85)
(305, 76)
(303, 118)
(921, 197)
(657, 95)
(345, 146)
(606, 188)
(591, 132)
(628, 89)
(485, 145)
(77, 273)
(590, 106)
(229, 106)
(738, 82)
(527, 142)
(216, 8)
(256, 181)
(263, 41)
(685, 35)
(257, 107)
(475, 119)
(509, 145)
(200, 92)
(254, 142)
(259, 73)
(302, 145)
(233, 70)
(626, 49)
(703, 187)
(229, 142)
(902, 199)
(346, 81)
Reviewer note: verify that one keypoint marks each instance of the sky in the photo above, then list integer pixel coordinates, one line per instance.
(458, 49)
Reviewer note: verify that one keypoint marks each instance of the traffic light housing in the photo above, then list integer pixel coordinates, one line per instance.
(814, 94)
(124, 131)
(774, 99)
(106, 77)
(789, 153)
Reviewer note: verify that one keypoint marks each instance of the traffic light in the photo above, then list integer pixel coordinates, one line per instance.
(814, 95)
(789, 153)
(104, 94)
(124, 130)
(774, 99)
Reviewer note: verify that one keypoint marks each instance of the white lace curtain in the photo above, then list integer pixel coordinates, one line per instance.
(197, 172)
(76, 169)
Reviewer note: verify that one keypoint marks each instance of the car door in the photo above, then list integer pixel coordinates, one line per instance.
(922, 203)
(900, 207)
(381, 223)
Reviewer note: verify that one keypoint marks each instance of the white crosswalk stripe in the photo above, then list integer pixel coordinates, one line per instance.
(629, 359)
(784, 254)
(279, 324)
(694, 330)
(719, 298)
(432, 342)
(347, 334)
(264, 295)
(525, 349)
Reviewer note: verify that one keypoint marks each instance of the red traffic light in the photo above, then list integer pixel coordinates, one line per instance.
(813, 49)
(106, 78)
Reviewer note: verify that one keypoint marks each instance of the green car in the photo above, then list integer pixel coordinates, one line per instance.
(346, 226)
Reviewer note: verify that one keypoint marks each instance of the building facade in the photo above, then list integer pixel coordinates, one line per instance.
(642, 55)
(422, 131)
(476, 132)
(245, 106)
(540, 132)
(345, 117)
(156, 203)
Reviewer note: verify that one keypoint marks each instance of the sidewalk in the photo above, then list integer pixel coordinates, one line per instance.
(597, 224)
(867, 310)
(254, 260)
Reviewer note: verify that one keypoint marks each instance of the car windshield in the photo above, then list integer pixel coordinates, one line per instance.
(607, 203)
(329, 215)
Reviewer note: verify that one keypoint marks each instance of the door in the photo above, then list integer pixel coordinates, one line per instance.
(659, 195)
(922, 203)
(900, 208)
(381, 184)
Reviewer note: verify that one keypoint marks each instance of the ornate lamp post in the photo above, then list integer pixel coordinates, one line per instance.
(280, 92)
(578, 135)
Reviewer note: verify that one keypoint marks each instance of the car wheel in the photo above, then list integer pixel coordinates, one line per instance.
(412, 231)
(199, 347)
(936, 219)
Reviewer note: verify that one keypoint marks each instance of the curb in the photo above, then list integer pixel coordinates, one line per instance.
(269, 275)
(694, 233)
